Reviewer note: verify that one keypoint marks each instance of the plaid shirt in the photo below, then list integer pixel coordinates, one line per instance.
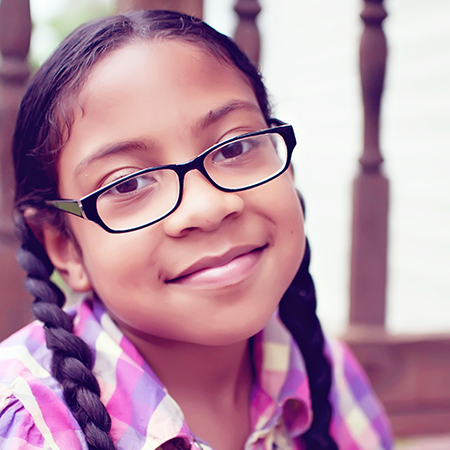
(33, 414)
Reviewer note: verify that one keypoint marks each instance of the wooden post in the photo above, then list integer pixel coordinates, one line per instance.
(15, 31)
(409, 373)
(191, 7)
(246, 35)
(371, 188)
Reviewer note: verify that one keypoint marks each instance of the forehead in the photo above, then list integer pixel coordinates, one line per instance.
(163, 71)
(158, 90)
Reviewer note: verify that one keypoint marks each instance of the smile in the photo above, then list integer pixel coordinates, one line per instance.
(215, 272)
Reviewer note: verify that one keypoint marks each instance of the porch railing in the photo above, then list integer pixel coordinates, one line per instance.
(15, 32)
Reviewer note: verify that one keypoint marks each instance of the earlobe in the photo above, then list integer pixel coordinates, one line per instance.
(66, 258)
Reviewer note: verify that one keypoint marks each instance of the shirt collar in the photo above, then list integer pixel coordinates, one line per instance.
(281, 380)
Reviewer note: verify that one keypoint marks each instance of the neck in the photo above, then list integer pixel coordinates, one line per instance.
(211, 384)
(200, 372)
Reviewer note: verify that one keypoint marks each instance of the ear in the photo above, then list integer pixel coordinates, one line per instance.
(66, 257)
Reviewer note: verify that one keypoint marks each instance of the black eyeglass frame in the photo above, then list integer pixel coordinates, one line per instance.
(86, 207)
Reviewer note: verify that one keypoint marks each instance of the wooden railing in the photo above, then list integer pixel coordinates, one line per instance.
(371, 188)
(409, 373)
(15, 31)
(247, 33)
(191, 7)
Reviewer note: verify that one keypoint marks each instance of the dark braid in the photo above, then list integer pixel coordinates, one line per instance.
(298, 312)
(72, 359)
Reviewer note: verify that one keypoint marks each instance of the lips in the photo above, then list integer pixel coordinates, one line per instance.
(229, 268)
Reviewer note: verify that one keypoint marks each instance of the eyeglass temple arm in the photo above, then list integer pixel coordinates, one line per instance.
(70, 206)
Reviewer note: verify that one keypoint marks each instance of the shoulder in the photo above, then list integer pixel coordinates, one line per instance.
(359, 421)
(33, 414)
(24, 355)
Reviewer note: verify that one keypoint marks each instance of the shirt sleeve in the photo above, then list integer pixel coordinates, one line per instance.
(359, 420)
(17, 428)
(30, 423)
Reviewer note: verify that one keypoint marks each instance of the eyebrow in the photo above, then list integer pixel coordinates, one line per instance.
(113, 149)
(214, 116)
(209, 119)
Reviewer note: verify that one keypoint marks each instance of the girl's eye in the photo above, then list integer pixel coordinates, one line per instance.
(233, 150)
(127, 186)
(133, 184)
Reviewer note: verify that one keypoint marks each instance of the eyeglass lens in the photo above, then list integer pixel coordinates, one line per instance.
(147, 197)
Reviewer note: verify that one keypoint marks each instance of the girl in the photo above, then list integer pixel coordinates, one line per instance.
(152, 175)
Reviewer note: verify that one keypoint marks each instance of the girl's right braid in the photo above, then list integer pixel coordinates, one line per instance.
(298, 313)
(72, 358)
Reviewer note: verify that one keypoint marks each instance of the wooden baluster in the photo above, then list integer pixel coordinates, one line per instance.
(191, 7)
(247, 34)
(15, 31)
(371, 188)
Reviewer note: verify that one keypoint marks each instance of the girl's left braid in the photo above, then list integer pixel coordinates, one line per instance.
(72, 359)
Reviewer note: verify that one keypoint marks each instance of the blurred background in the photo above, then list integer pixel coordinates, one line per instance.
(309, 57)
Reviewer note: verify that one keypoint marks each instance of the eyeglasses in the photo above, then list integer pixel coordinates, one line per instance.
(148, 196)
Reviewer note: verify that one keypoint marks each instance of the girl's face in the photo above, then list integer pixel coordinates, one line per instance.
(212, 272)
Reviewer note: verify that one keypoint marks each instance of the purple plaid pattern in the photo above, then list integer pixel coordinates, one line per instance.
(33, 414)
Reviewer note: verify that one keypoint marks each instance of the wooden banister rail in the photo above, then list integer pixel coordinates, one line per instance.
(410, 373)
(15, 32)
(371, 188)
(191, 7)
(246, 34)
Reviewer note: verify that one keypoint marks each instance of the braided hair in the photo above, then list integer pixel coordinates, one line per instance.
(72, 359)
(43, 127)
(298, 312)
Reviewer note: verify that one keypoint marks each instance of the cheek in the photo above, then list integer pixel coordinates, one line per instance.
(280, 205)
(295, 226)
(114, 261)
(291, 237)
(292, 240)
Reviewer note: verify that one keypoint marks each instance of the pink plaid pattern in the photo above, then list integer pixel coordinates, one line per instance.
(33, 414)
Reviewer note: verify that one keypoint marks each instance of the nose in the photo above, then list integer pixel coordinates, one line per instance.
(203, 207)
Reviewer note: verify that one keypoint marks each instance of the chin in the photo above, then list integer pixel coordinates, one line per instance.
(233, 334)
